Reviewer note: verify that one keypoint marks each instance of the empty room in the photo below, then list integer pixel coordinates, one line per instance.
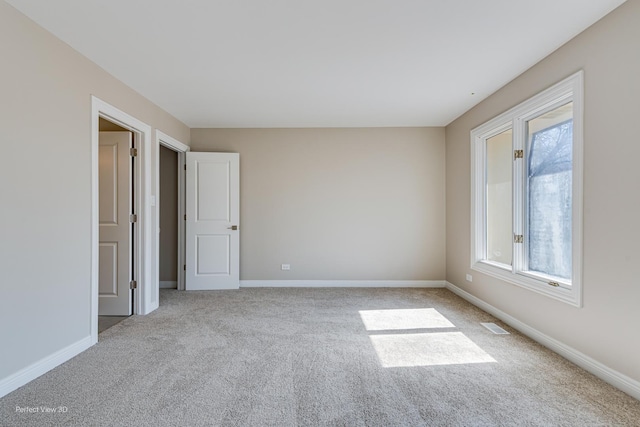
(349, 213)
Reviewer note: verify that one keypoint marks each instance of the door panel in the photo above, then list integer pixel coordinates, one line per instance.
(108, 278)
(213, 207)
(213, 191)
(211, 244)
(108, 182)
(115, 228)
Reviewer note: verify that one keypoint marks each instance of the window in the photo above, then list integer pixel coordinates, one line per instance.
(527, 193)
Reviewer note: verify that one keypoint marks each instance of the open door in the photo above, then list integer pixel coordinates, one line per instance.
(213, 213)
(114, 254)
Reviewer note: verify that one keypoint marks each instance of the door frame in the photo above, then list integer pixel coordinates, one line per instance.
(143, 301)
(180, 148)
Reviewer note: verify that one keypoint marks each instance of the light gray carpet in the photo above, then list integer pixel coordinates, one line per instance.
(287, 357)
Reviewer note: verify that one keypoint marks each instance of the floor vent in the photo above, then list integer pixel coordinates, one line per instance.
(495, 328)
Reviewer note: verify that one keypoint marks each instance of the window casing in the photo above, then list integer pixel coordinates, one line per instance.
(526, 219)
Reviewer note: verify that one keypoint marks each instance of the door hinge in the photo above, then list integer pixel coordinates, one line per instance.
(133, 151)
(185, 217)
(133, 218)
(133, 284)
(185, 167)
(518, 238)
(184, 267)
(518, 154)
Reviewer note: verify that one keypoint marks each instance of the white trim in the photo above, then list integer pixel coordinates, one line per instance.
(568, 90)
(170, 142)
(182, 224)
(42, 366)
(180, 148)
(569, 296)
(168, 284)
(342, 283)
(611, 376)
(95, 220)
(143, 248)
(144, 303)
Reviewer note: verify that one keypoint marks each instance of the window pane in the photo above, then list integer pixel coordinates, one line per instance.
(549, 176)
(499, 198)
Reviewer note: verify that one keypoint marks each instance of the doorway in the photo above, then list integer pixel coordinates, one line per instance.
(168, 222)
(144, 299)
(169, 160)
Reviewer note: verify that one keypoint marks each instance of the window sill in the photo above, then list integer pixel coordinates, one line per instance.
(569, 295)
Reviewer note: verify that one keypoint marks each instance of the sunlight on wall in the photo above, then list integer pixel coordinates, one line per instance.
(440, 348)
(417, 318)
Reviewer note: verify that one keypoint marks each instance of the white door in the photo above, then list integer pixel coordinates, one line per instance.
(213, 213)
(115, 226)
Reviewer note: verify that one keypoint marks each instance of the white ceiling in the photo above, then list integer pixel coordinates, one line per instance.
(315, 63)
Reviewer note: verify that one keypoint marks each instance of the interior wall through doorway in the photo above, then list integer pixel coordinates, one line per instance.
(168, 240)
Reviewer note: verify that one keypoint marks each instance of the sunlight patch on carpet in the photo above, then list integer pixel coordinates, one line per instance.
(430, 349)
(412, 318)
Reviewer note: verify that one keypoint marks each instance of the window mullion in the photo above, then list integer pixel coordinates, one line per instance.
(518, 195)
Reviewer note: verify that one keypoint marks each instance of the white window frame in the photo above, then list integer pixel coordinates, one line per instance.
(568, 90)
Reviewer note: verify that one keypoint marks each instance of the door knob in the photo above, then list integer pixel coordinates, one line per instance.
(233, 227)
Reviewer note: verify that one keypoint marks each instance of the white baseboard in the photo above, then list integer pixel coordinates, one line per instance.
(30, 373)
(168, 284)
(342, 283)
(615, 378)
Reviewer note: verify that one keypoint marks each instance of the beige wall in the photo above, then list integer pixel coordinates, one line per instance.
(606, 328)
(168, 215)
(45, 186)
(338, 204)
(107, 126)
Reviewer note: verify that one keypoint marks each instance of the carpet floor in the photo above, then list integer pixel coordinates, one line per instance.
(316, 357)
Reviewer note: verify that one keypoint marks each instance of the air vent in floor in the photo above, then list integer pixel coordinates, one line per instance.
(495, 328)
